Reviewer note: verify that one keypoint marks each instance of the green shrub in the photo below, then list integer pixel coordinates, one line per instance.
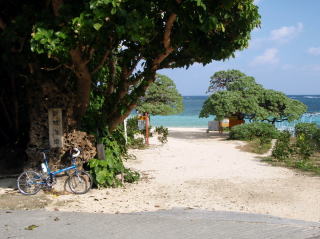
(162, 134)
(316, 138)
(111, 171)
(136, 137)
(132, 128)
(306, 139)
(261, 130)
(136, 143)
(307, 129)
(282, 149)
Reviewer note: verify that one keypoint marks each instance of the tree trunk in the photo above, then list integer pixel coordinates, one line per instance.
(83, 82)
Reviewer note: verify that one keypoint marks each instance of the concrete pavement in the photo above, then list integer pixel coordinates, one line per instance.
(176, 223)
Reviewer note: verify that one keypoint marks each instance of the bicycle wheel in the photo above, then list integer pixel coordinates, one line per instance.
(29, 182)
(80, 182)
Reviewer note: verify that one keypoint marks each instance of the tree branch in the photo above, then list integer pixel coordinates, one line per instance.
(90, 56)
(134, 65)
(136, 79)
(105, 56)
(110, 87)
(103, 60)
(51, 69)
(116, 116)
(166, 42)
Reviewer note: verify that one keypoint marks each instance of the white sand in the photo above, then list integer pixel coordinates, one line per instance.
(199, 170)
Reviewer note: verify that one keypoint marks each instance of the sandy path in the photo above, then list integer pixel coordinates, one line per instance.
(200, 170)
(205, 171)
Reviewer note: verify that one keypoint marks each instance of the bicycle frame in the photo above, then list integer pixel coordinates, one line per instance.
(58, 171)
(62, 170)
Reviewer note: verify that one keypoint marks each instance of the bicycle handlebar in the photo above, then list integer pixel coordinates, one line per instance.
(76, 154)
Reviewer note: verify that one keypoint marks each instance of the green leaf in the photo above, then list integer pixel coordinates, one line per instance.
(31, 227)
(101, 177)
(97, 26)
(113, 11)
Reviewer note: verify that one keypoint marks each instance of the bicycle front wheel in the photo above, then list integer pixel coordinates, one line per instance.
(29, 182)
(80, 182)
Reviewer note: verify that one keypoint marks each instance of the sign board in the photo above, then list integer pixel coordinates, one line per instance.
(141, 124)
(224, 123)
(55, 128)
(142, 117)
(213, 125)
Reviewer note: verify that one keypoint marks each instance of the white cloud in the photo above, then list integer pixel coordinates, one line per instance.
(270, 56)
(280, 35)
(286, 33)
(314, 51)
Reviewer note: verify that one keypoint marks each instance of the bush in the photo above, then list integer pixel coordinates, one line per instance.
(307, 139)
(263, 131)
(136, 137)
(307, 129)
(316, 138)
(305, 145)
(111, 171)
(301, 151)
(162, 134)
(282, 150)
(132, 128)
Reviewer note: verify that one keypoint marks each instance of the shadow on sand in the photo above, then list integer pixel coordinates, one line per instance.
(8, 183)
(196, 134)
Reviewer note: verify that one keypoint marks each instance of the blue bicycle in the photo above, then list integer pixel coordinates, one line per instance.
(30, 182)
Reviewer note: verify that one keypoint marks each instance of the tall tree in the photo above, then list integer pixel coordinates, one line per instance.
(161, 98)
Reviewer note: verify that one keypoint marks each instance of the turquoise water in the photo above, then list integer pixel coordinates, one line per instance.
(193, 105)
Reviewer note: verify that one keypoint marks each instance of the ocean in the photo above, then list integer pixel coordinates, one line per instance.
(193, 105)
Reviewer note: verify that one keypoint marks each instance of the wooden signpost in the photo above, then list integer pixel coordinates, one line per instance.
(145, 117)
(55, 128)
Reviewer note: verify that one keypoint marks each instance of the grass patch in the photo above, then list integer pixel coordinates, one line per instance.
(255, 146)
(311, 165)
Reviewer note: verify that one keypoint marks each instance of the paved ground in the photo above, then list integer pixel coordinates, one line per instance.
(177, 223)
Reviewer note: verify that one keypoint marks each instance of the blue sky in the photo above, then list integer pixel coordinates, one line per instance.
(284, 54)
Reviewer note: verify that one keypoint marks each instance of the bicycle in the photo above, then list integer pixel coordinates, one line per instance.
(31, 182)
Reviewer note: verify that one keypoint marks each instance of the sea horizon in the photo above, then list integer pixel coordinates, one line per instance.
(189, 118)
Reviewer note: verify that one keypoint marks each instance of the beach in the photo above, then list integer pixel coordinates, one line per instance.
(201, 171)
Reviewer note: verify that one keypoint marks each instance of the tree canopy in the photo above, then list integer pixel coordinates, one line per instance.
(119, 45)
(246, 99)
(220, 79)
(103, 54)
(161, 98)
